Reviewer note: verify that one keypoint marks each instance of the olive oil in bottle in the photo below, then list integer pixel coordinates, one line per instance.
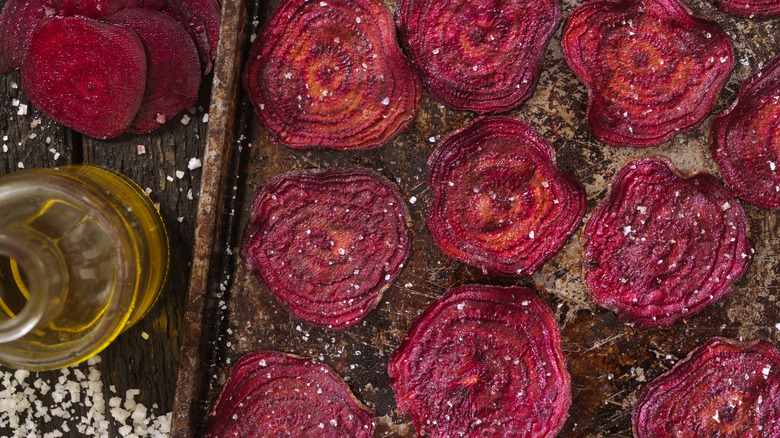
(83, 255)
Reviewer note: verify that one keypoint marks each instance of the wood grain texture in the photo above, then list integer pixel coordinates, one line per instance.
(130, 362)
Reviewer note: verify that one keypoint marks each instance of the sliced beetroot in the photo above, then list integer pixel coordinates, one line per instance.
(483, 362)
(664, 246)
(751, 8)
(483, 56)
(327, 243)
(17, 22)
(201, 18)
(87, 75)
(651, 68)
(94, 8)
(329, 74)
(744, 139)
(500, 203)
(173, 66)
(724, 388)
(271, 394)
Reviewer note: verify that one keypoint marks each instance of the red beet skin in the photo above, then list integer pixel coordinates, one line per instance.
(478, 55)
(17, 23)
(329, 74)
(751, 8)
(173, 66)
(271, 394)
(744, 139)
(327, 243)
(483, 362)
(500, 203)
(87, 75)
(725, 389)
(664, 246)
(651, 68)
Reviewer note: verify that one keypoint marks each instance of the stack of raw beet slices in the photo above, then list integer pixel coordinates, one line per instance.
(106, 67)
(486, 360)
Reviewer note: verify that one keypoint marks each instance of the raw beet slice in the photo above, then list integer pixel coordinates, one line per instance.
(327, 243)
(751, 8)
(94, 8)
(745, 139)
(271, 394)
(173, 66)
(87, 75)
(500, 203)
(484, 55)
(651, 68)
(664, 246)
(201, 18)
(17, 23)
(330, 74)
(724, 388)
(483, 362)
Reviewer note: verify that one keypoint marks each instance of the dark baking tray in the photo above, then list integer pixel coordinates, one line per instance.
(230, 312)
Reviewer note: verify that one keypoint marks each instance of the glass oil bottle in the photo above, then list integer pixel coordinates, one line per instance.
(83, 255)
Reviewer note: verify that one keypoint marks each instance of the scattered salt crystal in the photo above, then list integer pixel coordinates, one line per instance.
(169, 178)
(141, 149)
(194, 163)
(206, 118)
(14, 102)
(432, 139)
(725, 206)
(772, 166)
(626, 230)
(56, 156)
(20, 165)
(145, 335)
(148, 191)
(180, 219)
(179, 174)
(386, 101)
(413, 199)
(531, 234)
(22, 109)
(185, 119)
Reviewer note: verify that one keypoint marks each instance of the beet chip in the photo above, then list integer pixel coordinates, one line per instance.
(483, 362)
(271, 394)
(724, 389)
(201, 18)
(483, 56)
(744, 139)
(651, 68)
(330, 74)
(17, 23)
(664, 246)
(500, 203)
(327, 243)
(173, 66)
(94, 8)
(87, 75)
(751, 8)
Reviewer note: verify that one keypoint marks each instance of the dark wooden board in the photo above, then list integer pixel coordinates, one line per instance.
(131, 362)
(609, 362)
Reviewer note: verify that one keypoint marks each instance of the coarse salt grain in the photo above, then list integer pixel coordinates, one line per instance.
(194, 163)
(185, 119)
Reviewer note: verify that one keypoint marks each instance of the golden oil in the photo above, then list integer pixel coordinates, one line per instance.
(83, 255)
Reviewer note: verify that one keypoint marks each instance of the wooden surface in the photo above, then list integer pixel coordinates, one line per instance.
(131, 362)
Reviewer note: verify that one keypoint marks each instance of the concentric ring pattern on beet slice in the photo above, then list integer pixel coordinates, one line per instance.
(651, 68)
(483, 362)
(500, 203)
(482, 55)
(751, 8)
(173, 66)
(271, 394)
(745, 139)
(664, 246)
(327, 243)
(329, 74)
(724, 388)
(17, 23)
(87, 75)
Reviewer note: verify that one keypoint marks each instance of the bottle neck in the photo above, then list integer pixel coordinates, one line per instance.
(32, 287)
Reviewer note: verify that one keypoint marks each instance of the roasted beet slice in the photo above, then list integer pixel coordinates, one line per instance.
(327, 243)
(94, 8)
(271, 394)
(483, 362)
(725, 389)
(751, 8)
(664, 246)
(201, 18)
(484, 55)
(173, 66)
(744, 139)
(17, 23)
(87, 75)
(651, 68)
(329, 74)
(500, 203)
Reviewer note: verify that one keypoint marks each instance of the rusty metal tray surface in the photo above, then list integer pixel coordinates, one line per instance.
(230, 312)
